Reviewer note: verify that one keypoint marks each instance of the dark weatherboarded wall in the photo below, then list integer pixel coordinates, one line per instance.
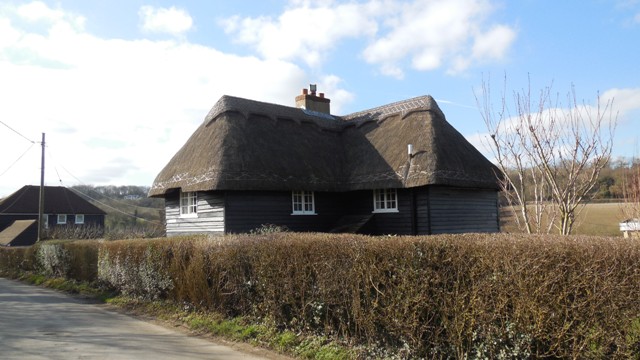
(423, 210)
(455, 210)
(248, 210)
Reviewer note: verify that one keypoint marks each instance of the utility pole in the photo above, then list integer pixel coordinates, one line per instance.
(41, 206)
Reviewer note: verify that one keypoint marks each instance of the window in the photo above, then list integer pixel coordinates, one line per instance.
(303, 203)
(188, 204)
(62, 218)
(385, 200)
(45, 220)
(79, 218)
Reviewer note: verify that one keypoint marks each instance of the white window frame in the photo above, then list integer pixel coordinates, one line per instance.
(303, 203)
(188, 204)
(385, 201)
(61, 216)
(79, 219)
(45, 217)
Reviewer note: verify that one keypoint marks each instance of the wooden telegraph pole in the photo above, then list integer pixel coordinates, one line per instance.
(41, 206)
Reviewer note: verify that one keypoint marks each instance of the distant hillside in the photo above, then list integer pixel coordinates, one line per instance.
(127, 206)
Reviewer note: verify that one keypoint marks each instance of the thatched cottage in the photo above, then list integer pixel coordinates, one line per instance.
(400, 168)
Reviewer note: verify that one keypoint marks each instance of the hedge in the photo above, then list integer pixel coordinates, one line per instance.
(450, 296)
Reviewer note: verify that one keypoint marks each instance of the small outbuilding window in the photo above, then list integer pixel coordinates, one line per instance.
(303, 203)
(188, 203)
(79, 219)
(62, 219)
(385, 200)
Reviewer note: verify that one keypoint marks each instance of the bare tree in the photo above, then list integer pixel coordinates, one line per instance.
(550, 155)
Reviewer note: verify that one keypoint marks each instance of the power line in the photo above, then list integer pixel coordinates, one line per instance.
(101, 202)
(16, 131)
(113, 208)
(18, 159)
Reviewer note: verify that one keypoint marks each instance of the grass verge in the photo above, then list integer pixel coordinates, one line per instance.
(238, 329)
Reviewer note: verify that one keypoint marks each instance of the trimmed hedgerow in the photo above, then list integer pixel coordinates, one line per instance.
(450, 296)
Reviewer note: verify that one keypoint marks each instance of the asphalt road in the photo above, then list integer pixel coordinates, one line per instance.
(39, 323)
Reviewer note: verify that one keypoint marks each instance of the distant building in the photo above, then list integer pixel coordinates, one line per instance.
(400, 168)
(62, 207)
(630, 228)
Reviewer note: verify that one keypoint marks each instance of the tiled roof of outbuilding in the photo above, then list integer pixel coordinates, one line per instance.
(57, 200)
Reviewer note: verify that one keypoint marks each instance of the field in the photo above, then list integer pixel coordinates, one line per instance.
(599, 219)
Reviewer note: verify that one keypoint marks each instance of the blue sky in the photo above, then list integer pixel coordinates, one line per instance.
(119, 86)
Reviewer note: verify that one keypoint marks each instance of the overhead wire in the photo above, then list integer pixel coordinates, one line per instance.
(17, 132)
(76, 178)
(18, 159)
(197, 226)
(87, 195)
(98, 201)
(113, 208)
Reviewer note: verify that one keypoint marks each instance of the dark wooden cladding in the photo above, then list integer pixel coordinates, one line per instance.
(210, 217)
(455, 210)
(89, 220)
(394, 222)
(248, 210)
(421, 211)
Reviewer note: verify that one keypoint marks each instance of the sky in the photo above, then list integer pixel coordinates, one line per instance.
(119, 86)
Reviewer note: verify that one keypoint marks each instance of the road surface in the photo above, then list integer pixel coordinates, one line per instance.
(39, 323)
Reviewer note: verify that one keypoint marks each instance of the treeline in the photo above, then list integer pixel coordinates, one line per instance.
(132, 194)
(130, 213)
(617, 178)
(616, 181)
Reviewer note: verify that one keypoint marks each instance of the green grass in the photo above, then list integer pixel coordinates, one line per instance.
(598, 219)
(68, 286)
(235, 329)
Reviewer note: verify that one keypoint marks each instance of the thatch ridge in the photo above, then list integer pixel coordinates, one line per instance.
(425, 102)
(251, 145)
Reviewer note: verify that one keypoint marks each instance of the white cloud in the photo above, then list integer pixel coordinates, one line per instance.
(428, 34)
(115, 111)
(623, 100)
(37, 11)
(307, 30)
(493, 44)
(620, 106)
(441, 33)
(171, 20)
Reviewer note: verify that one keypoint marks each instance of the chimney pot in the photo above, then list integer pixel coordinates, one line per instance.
(310, 101)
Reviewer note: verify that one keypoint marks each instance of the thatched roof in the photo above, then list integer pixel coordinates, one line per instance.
(250, 145)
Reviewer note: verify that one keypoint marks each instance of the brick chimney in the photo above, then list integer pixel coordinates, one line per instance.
(310, 101)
